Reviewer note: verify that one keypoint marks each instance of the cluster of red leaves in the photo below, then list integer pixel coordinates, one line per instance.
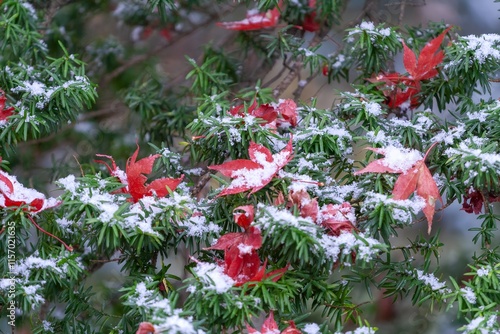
(256, 173)
(333, 217)
(4, 113)
(281, 115)
(14, 195)
(241, 260)
(418, 178)
(403, 90)
(474, 201)
(271, 327)
(254, 21)
(134, 179)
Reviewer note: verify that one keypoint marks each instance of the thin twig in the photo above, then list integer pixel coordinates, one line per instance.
(205, 177)
(68, 248)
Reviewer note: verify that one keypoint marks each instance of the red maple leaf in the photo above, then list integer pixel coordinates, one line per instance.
(310, 23)
(264, 111)
(254, 21)
(474, 200)
(146, 328)
(14, 195)
(430, 57)
(335, 218)
(241, 261)
(271, 327)
(256, 173)
(287, 109)
(416, 178)
(134, 177)
(4, 113)
(400, 89)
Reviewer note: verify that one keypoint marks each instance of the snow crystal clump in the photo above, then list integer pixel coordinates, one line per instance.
(213, 278)
(400, 159)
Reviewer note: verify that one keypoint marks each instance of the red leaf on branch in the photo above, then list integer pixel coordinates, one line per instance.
(4, 113)
(146, 328)
(415, 176)
(271, 327)
(268, 327)
(287, 109)
(135, 178)
(401, 89)
(430, 58)
(256, 173)
(241, 261)
(14, 194)
(254, 21)
(337, 218)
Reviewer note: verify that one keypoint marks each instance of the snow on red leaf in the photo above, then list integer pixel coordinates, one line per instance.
(416, 178)
(14, 194)
(146, 328)
(134, 179)
(256, 173)
(336, 218)
(377, 166)
(254, 21)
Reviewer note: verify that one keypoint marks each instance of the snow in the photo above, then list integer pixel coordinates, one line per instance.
(469, 295)
(258, 176)
(340, 193)
(400, 159)
(245, 249)
(402, 210)
(177, 325)
(273, 217)
(213, 278)
(484, 271)
(361, 330)
(474, 324)
(465, 151)
(145, 298)
(431, 281)
(346, 243)
(196, 226)
(484, 46)
(373, 108)
(47, 326)
(22, 194)
(311, 329)
(366, 25)
(449, 136)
